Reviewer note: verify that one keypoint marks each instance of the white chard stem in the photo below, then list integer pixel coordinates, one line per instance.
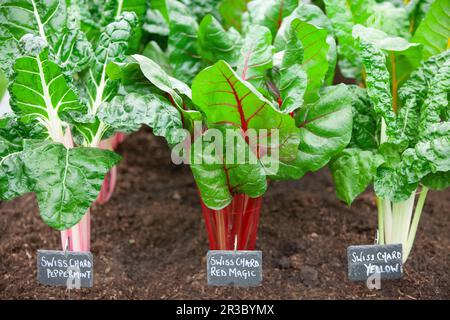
(394, 219)
(415, 223)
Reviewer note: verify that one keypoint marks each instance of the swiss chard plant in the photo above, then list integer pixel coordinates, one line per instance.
(269, 77)
(395, 18)
(401, 128)
(55, 59)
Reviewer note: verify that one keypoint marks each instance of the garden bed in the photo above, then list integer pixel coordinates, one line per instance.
(149, 241)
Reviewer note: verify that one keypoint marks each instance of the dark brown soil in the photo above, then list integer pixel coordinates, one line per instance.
(149, 241)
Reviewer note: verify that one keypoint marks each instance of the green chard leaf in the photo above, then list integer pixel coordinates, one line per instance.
(391, 19)
(417, 10)
(144, 70)
(13, 132)
(391, 184)
(437, 99)
(99, 89)
(315, 62)
(332, 59)
(217, 44)
(398, 178)
(364, 134)
(403, 58)
(9, 51)
(96, 15)
(231, 12)
(256, 55)
(353, 170)
(434, 147)
(437, 181)
(224, 98)
(153, 51)
(292, 85)
(343, 20)
(413, 94)
(325, 128)
(183, 43)
(201, 8)
(433, 31)
(112, 46)
(154, 23)
(313, 15)
(270, 13)
(46, 19)
(50, 21)
(128, 113)
(66, 181)
(41, 94)
(291, 78)
(13, 180)
(218, 176)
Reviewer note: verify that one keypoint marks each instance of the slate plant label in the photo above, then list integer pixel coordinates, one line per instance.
(234, 268)
(366, 260)
(65, 268)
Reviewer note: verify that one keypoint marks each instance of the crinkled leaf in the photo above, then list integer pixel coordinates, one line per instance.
(377, 80)
(75, 51)
(46, 19)
(13, 180)
(364, 134)
(128, 113)
(139, 67)
(12, 132)
(50, 21)
(201, 8)
(111, 10)
(435, 146)
(413, 94)
(112, 46)
(390, 184)
(437, 181)
(9, 51)
(437, 99)
(399, 178)
(402, 56)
